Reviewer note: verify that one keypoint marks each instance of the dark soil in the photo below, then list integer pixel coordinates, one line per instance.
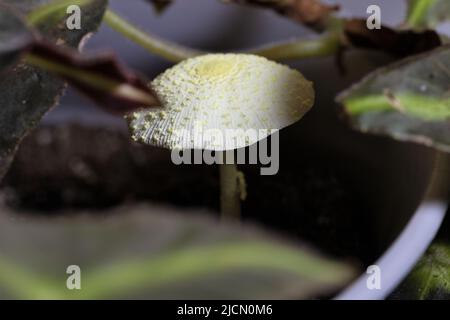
(80, 167)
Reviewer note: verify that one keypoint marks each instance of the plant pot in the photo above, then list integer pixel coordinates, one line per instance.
(395, 177)
(402, 255)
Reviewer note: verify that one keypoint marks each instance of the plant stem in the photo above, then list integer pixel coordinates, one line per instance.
(92, 80)
(298, 49)
(418, 11)
(153, 44)
(439, 188)
(230, 193)
(294, 49)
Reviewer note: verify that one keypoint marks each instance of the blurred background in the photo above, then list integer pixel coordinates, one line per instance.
(209, 25)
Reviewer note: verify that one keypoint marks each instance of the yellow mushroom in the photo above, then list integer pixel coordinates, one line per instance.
(222, 92)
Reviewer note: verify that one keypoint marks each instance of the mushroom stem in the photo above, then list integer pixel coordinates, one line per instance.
(230, 192)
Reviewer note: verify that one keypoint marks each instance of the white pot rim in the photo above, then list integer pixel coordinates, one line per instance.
(396, 263)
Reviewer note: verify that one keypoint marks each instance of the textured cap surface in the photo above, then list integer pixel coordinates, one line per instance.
(222, 95)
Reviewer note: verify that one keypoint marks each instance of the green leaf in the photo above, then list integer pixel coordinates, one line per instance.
(409, 100)
(26, 92)
(423, 14)
(430, 278)
(145, 252)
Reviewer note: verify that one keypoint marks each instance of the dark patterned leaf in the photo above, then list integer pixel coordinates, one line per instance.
(409, 100)
(15, 37)
(399, 43)
(57, 31)
(26, 92)
(312, 13)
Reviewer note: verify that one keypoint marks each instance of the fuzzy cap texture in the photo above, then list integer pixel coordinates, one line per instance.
(212, 99)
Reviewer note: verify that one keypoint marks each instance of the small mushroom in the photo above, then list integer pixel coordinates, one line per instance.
(220, 92)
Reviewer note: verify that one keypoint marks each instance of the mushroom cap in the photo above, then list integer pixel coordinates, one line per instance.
(219, 101)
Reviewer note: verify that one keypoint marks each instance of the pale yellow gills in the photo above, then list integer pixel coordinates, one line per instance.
(221, 94)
